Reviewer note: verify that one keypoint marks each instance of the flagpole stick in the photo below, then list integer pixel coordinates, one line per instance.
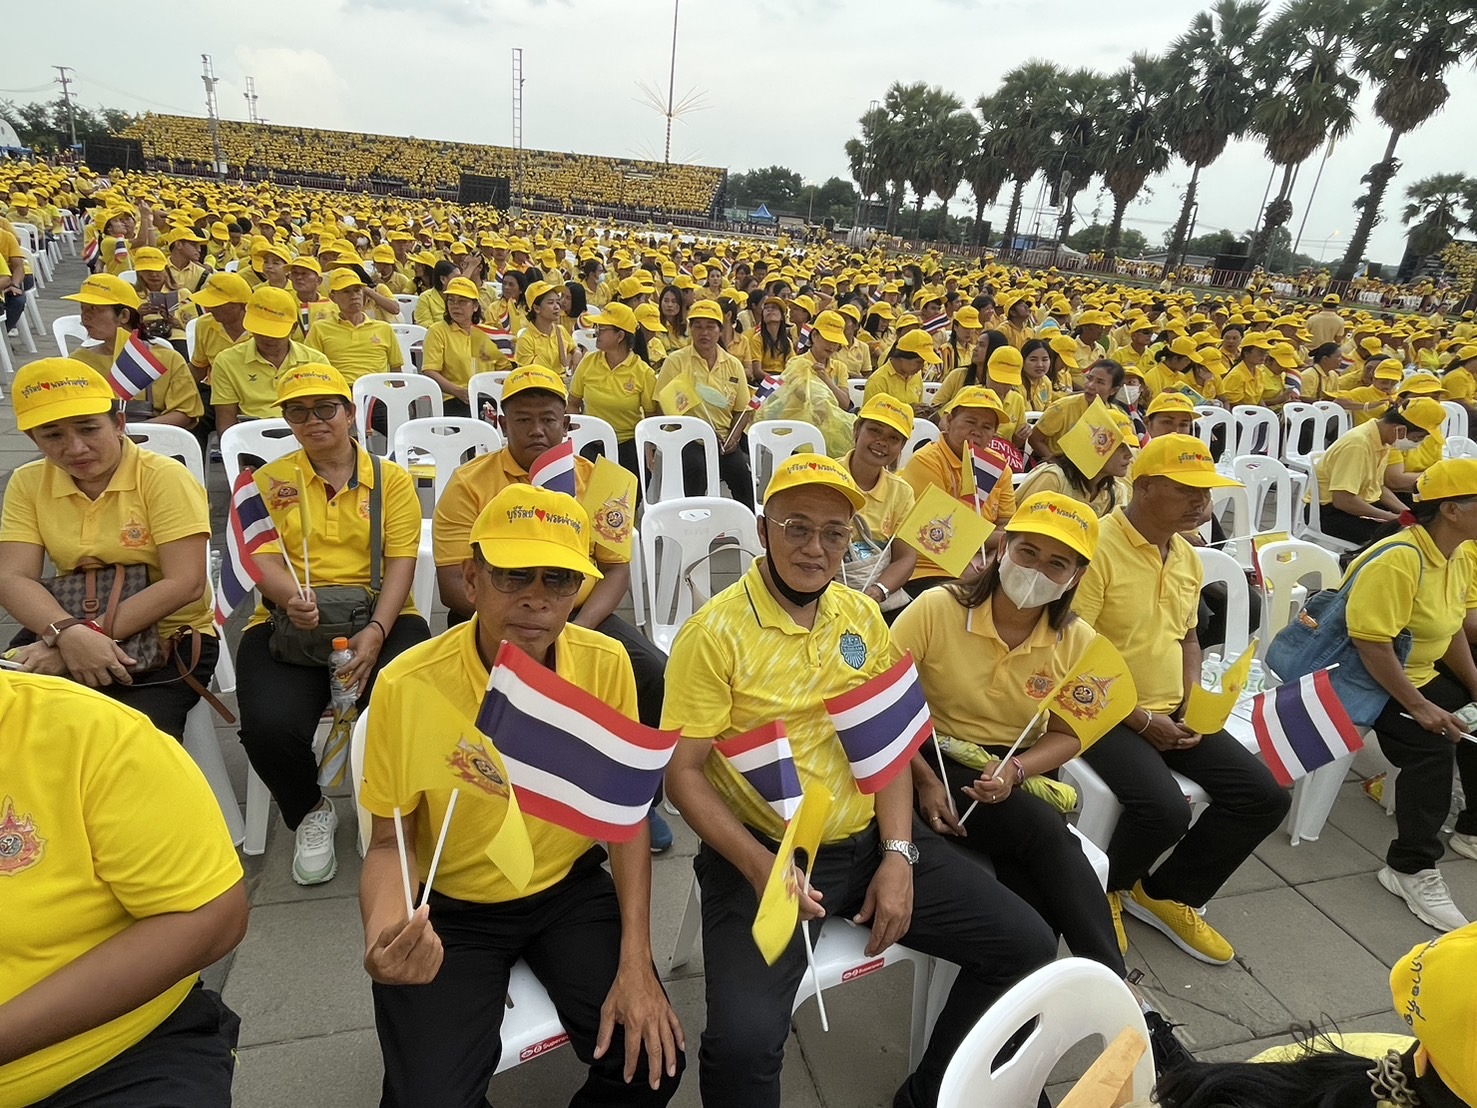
(944, 777)
(1009, 754)
(1463, 734)
(299, 585)
(404, 864)
(440, 842)
(815, 974)
(302, 514)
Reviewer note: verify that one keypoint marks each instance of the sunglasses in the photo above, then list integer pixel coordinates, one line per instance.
(559, 582)
(295, 413)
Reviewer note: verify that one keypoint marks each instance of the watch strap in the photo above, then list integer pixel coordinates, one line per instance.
(49, 636)
(907, 849)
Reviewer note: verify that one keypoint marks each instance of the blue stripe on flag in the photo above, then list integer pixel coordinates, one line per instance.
(1302, 732)
(865, 739)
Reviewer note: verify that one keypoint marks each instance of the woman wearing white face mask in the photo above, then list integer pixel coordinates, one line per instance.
(1012, 630)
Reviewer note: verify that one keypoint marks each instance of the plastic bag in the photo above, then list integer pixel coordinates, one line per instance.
(803, 397)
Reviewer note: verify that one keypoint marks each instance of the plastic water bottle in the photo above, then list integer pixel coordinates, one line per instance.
(1210, 671)
(342, 696)
(1256, 680)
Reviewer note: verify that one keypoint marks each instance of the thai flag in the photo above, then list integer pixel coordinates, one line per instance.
(571, 759)
(989, 467)
(120, 249)
(501, 338)
(249, 525)
(91, 252)
(881, 723)
(1301, 725)
(764, 757)
(135, 369)
(765, 389)
(554, 469)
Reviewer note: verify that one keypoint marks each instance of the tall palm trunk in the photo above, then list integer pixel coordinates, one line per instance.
(979, 216)
(1278, 212)
(1115, 229)
(918, 217)
(1181, 229)
(1379, 179)
(1015, 212)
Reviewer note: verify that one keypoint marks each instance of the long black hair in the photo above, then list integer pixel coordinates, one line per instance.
(973, 594)
(781, 343)
(975, 375)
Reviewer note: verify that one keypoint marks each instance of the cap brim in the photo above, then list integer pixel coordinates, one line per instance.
(887, 421)
(1201, 480)
(1017, 525)
(535, 553)
(62, 409)
(270, 328)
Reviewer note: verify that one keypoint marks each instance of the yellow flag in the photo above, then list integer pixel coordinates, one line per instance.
(1090, 442)
(1098, 695)
(779, 907)
(679, 396)
(948, 531)
(1206, 712)
(610, 502)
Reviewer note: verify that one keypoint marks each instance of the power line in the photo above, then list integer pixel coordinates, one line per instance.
(131, 95)
(24, 91)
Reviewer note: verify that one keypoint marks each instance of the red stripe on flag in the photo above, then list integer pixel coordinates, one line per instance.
(753, 740)
(872, 687)
(581, 823)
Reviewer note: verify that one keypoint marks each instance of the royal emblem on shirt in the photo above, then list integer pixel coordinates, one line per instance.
(1039, 685)
(936, 535)
(281, 494)
(134, 534)
(20, 846)
(471, 763)
(613, 520)
(853, 650)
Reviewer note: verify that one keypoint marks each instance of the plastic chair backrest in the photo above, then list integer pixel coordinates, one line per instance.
(172, 442)
(190, 329)
(1285, 565)
(404, 395)
(1068, 1000)
(1216, 565)
(412, 340)
(924, 432)
(584, 338)
(930, 390)
(1238, 533)
(233, 266)
(68, 330)
(486, 386)
(1459, 446)
(265, 439)
(771, 441)
(677, 539)
(1256, 425)
(1209, 419)
(1343, 416)
(130, 276)
(408, 302)
(1266, 478)
(1455, 424)
(445, 442)
(1326, 427)
(666, 436)
(856, 387)
(585, 429)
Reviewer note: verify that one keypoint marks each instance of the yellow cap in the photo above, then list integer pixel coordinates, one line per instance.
(149, 259)
(629, 287)
(312, 379)
(382, 255)
(53, 389)
(806, 303)
(1065, 348)
(831, 327)
(1371, 345)
(882, 308)
(1447, 478)
(461, 286)
(919, 344)
(815, 469)
(1424, 412)
(1259, 339)
(1284, 355)
(105, 288)
(271, 312)
(1005, 365)
(968, 316)
(306, 261)
(1170, 402)
(223, 288)
(614, 314)
(533, 377)
(1390, 369)
(1420, 384)
(1432, 992)
(650, 318)
(524, 527)
(975, 396)
(537, 291)
(1183, 459)
(1059, 517)
(707, 309)
(343, 280)
(890, 411)
(1095, 319)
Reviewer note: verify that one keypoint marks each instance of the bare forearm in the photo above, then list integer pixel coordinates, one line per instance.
(630, 868)
(453, 590)
(29, 603)
(1384, 666)
(704, 811)
(399, 577)
(148, 606)
(894, 807)
(1052, 751)
(605, 597)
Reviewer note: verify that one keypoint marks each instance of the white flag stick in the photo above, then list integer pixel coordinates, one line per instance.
(440, 842)
(288, 562)
(404, 864)
(1009, 754)
(1463, 734)
(810, 959)
(938, 750)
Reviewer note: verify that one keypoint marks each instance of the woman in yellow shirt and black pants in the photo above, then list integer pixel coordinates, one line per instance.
(614, 383)
(543, 341)
(455, 348)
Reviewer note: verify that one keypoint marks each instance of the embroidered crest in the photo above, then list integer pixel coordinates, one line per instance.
(1039, 685)
(20, 846)
(470, 762)
(853, 650)
(134, 534)
(281, 494)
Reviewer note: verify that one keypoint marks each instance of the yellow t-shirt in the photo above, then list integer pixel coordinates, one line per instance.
(456, 355)
(888, 503)
(953, 381)
(151, 500)
(622, 395)
(357, 349)
(1427, 453)
(211, 341)
(430, 309)
(1459, 385)
(338, 529)
(1144, 605)
(109, 822)
(536, 348)
(1005, 688)
(935, 464)
(726, 379)
(433, 692)
(176, 391)
(742, 662)
(886, 381)
(806, 364)
(1355, 463)
(241, 376)
(771, 363)
(1414, 586)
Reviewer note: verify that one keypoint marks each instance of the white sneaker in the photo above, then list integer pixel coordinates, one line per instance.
(1465, 845)
(1426, 895)
(313, 859)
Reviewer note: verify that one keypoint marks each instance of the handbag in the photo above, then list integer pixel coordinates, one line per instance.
(1318, 638)
(94, 590)
(865, 559)
(343, 610)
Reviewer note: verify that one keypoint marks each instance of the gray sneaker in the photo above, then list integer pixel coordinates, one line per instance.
(313, 859)
(1426, 895)
(1465, 845)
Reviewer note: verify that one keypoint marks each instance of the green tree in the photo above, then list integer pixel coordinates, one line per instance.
(1133, 138)
(1094, 236)
(43, 124)
(1020, 114)
(776, 185)
(1437, 208)
(954, 141)
(937, 132)
(1206, 245)
(986, 174)
(1082, 108)
(869, 155)
(1406, 47)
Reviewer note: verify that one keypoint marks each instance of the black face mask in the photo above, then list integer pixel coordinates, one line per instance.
(793, 595)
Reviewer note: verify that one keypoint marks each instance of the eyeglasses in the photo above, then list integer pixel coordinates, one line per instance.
(799, 532)
(559, 582)
(325, 411)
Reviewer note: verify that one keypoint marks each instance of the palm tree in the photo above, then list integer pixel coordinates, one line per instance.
(866, 155)
(1021, 113)
(1211, 93)
(1406, 48)
(1133, 141)
(906, 145)
(1435, 207)
(986, 174)
(1304, 56)
(956, 140)
(939, 131)
(1080, 114)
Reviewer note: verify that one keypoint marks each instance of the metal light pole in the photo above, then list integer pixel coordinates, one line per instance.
(671, 83)
(65, 82)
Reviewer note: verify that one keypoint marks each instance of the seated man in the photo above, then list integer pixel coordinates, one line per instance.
(244, 377)
(1142, 592)
(440, 977)
(1355, 504)
(772, 647)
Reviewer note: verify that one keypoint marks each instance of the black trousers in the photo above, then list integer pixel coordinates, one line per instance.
(1038, 858)
(188, 1061)
(441, 1042)
(15, 305)
(1423, 788)
(960, 913)
(163, 695)
(733, 471)
(626, 458)
(1246, 805)
(280, 706)
(1342, 525)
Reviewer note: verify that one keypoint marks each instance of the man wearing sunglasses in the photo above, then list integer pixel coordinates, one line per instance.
(440, 976)
(775, 646)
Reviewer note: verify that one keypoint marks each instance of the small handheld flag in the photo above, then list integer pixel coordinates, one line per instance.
(764, 389)
(120, 249)
(764, 758)
(1301, 726)
(610, 502)
(91, 252)
(501, 338)
(980, 474)
(779, 906)
(678, 396)
(248, 527)
(1091, 441)
(1098, 695)
(881, 723)
(1206, 712)
(945, 531)
(135, 369)
(554, 469)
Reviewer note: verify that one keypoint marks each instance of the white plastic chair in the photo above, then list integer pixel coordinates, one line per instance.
(1343, 416)
(68, 333)
(7, 363)
(412, 339)
(1265, 478)
(931, 390)
(1098, 808)
(1238, 530)
(190, 329)
(267, 439)
(404, 395)
(23, 324)
(407, 302)
(585, 429)
(1311, 528)
(1211, 419)
(1325, 425)
(924, 432)
(771, 441)
(233, 266)
(204, 748)
(486, 386)
(1254, 423)
(678, 540)
(584, 338)
(1218, 566)
(856, 388)
(1459, 446)
(1455, 424)
(129, 276)
(659, 443)
(172, 442)
(1068, 1001)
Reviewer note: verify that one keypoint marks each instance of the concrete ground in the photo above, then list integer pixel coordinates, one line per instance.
(1314, 934)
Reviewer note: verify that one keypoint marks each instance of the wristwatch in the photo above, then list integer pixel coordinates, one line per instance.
(49, 636)
(908, 850)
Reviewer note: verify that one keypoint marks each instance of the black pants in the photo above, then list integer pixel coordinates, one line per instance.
(15, 306)
(1246, 805)
(649, 664)
(163, 695)
(1423, 788)
(1342, 525)
(441, 1042)
(188, 1061)
(733, 471)
(1038, 858)
(455, 407)
(960, 913)
(280, 708)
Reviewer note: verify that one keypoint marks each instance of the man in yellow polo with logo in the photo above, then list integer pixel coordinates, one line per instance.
(1142, 592)
(243, 381)
(441, 975)
(353, 343)
(774, 646)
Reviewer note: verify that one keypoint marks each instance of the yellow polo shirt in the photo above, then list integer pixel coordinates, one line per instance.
(1459, 385)
(211, 341)
(536, 348)
(1242, 385)
(1058, 419)
(456, 354)
(1414, 586)
(888, 502)
(338, 528)
(1145, 605)
(1355, 463)
(432, 693)
(241, 376)
(936, 464)
(742, 662)
(622, 395)
(1006, 686)
(886, 381)
(109, 822)
(772, 364)
(1427, 453)
(727, 378)
(309, 315)
(357, 349)
(430, 309)
(176, 391)
(150, 500)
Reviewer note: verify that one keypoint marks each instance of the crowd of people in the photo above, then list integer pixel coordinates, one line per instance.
(1087, 391)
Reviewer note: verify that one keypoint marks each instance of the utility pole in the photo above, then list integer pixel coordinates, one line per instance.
(209, 77)
(517, 198)
(251, 99)
(671, 83)
(65, 81)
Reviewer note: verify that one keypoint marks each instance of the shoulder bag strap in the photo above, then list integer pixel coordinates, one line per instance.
(376, 526)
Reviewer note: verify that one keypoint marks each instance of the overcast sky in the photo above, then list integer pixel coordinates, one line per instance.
(780, 81)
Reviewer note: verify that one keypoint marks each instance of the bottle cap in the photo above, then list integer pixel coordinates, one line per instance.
(341, 643)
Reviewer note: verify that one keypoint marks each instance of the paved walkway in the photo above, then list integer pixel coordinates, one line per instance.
(1314, 935)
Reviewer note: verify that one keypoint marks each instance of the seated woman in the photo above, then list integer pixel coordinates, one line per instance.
(543, 341)
(1101, 382)
(1097, 479)
(615, 383)
(321, 499)
(1036, 387)
(92, 498)
(882, 429)
(456, 348)
(770, 348)
(1013, 632)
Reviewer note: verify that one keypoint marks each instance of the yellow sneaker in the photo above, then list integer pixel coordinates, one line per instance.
(1181, 924)
(1115, 905)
